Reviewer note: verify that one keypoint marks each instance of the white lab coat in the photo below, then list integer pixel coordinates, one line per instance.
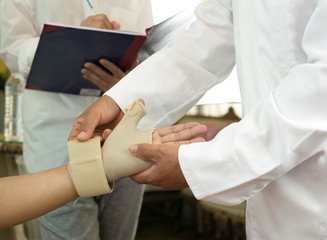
(49, 117)
(275, 157)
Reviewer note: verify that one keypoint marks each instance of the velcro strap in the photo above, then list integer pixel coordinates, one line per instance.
(86, 168)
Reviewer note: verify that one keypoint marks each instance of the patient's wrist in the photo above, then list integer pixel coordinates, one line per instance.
(86, 168)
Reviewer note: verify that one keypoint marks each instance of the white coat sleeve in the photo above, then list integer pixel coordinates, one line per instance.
(285, 129)
(18, 35)
(174, 79)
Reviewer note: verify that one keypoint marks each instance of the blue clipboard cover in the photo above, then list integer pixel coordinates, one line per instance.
(63, 50)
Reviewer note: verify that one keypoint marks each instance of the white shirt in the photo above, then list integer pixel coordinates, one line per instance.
(49, 117)
(275, 157)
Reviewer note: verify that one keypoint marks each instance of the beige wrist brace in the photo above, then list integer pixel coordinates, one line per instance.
(117, 159)
(86, 168)
(92, 168)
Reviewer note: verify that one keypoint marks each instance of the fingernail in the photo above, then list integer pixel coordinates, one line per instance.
(81, 134)
(133, 148)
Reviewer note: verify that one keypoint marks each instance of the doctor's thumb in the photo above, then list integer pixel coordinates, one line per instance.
(143, 151)
(86, 129)
(133, 149)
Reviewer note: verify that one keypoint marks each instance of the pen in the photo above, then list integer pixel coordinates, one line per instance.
(88, 1)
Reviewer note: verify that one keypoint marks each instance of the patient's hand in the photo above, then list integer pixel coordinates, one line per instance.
(179, 134)
(176, 134)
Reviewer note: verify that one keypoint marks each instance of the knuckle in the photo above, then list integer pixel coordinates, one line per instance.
(177, 136)
(100, 16)
(161, 151)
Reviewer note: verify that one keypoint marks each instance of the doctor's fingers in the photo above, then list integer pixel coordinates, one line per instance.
(106, 134)
(83, 128)
(166, 171)
(155, 152)
(75, 130)
(99, 116)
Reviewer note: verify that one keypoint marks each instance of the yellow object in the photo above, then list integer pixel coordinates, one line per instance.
(4, 70)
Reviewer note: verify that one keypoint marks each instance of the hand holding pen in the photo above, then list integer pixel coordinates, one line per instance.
(93, 72)
(99, 20)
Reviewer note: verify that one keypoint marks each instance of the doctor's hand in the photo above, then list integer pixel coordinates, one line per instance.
(101, 78)
(166, 171)
(100, 21)
(101, 115)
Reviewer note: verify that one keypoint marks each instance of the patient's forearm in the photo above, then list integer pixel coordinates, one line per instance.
(29, 196)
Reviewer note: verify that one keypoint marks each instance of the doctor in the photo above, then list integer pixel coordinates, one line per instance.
(48, 116)
(275, 157)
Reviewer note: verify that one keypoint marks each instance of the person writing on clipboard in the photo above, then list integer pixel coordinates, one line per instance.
(48, 116)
